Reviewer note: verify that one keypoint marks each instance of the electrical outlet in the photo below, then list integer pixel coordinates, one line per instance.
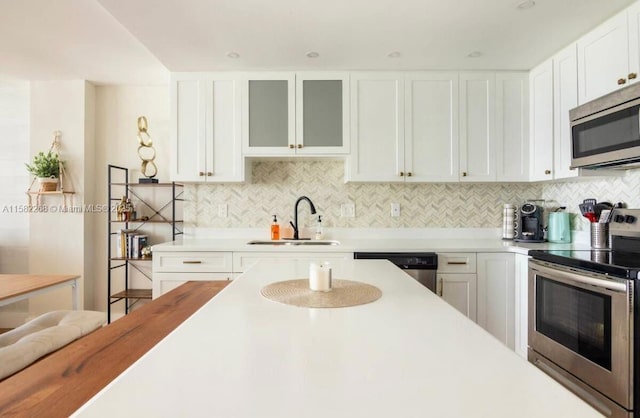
(222, 210)
(395, 210)
(348, 210)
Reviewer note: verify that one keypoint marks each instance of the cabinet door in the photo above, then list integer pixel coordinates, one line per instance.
(431, 136)
(268, 114)
(377, 127)
(322, 113)
(477, 126)
(165, 282)
(512, 126)
(603, 59)
(565, 97)
(459, 290)
(633, 19)
(188, 114)
(496, 296)
(541, 128)
(522, 303)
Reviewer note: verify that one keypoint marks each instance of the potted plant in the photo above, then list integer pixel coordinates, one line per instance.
(46, 167)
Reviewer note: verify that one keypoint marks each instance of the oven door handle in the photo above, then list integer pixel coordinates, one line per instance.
(571, 277)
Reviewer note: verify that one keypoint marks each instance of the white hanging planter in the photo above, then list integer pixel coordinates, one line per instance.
(48, 184)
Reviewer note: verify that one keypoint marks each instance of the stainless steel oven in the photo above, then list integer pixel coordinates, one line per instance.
(584, 316)
(582, 322)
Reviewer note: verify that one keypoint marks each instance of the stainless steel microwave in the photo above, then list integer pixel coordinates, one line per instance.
(605, 132)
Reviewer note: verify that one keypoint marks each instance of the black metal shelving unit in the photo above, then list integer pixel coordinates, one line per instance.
(118, 185)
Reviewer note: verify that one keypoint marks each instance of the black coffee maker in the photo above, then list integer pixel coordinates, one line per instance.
(530, 225)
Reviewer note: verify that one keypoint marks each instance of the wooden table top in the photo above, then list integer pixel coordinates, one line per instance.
(12, 285)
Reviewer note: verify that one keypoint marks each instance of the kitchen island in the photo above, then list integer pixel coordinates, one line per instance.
(408, 354)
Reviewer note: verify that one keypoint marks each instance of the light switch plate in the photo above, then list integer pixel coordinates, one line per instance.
(222, 210)
(395, 210)
(348, 210)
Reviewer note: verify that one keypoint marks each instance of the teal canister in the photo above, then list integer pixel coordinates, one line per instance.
(559, 227)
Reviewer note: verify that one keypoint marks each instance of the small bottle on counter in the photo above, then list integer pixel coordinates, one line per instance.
(319, 232)
(275, 229)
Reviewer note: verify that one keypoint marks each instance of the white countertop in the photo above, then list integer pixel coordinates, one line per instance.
(409, 354)
(350, 245)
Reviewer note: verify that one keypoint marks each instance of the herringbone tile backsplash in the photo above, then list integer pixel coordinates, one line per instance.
(276, 185)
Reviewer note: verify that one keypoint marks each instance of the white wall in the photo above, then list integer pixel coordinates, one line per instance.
(117, 112)
(56, 239)
(14, 180)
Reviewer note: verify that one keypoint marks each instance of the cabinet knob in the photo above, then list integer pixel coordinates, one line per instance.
(632, 76)
(299, 145)
(622, 81)
(201, 174)
(409, 174)
(402, 174)
(547, 172)
(291, 146)
(209, 173)
(464, 174)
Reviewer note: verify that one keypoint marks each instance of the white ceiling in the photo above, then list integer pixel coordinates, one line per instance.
(136, 41)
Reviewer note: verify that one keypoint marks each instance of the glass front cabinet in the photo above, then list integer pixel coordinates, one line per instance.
(296, 113)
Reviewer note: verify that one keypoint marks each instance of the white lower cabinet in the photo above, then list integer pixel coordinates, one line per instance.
(242, 261)
(459, 291)
(456, 281)
(173, 268)
(496, 297)
(522, 303)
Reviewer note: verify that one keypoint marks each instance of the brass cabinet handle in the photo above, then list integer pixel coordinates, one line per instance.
(192, 262)
(209, 173)
(440, 286)
(409, 174)
(201, 173)
(299, 145)
(547, 171)
(632, 76)
(621, 81)
(464, 174)
(402, 174)
(291, 146)
(457, 262)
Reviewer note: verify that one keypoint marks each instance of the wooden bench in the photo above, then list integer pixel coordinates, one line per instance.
(62, 382)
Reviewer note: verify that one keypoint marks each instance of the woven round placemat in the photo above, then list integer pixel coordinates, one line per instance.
(343, 293)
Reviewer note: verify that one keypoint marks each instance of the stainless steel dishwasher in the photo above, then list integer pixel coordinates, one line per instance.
(420, 266)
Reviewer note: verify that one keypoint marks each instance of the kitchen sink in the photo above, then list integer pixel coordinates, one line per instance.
(292, 242)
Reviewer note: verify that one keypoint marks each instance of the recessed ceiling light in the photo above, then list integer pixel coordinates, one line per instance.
(394, 54)
(474, 54)
(527, 4)
(233, 55)
(312, 54)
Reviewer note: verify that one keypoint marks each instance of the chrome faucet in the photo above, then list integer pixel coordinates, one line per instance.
(294, 224)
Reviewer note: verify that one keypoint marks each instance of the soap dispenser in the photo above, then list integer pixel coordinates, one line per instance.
(275, 229)
(319, 232)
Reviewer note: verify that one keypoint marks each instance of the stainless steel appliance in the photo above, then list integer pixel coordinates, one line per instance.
(421, 266)
(530, 226)
(583, 315)
(606, 132)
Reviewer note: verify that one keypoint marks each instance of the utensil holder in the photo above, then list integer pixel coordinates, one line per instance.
(599, 235)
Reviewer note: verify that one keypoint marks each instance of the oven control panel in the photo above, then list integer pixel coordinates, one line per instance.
(625, 222)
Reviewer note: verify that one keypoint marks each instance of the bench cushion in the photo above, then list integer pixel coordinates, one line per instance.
(43, 335)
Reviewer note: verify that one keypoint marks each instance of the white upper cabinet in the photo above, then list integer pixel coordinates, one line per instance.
(268, 114)
(322, 113)
(477, 126)
(565, 98)
(296, 113)
(541, 121)
(205, 128)
(608, 56)
(512, 126)
(431, 127)
(377, 127)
